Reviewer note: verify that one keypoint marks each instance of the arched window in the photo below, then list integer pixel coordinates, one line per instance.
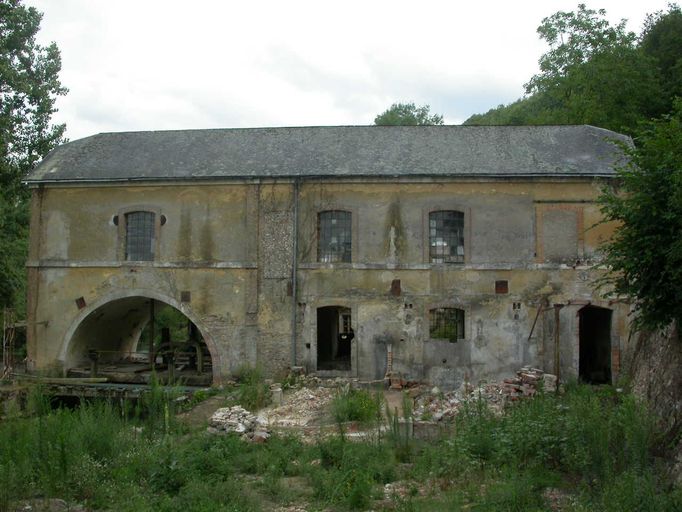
(446, 324)
(446, 236)
(334, 236)
(140, 236)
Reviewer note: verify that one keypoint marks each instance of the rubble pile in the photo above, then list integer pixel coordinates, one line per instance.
(301, 407)
(527, 383)
(239, 420)
(439, 406)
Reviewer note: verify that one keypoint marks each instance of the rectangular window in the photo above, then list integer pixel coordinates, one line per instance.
(140, 236)
(446, 324)
(446, 236)
(334, 236)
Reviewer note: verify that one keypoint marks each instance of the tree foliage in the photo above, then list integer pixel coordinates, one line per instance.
(408, 114)
(29, 86)
(574, 38)
(645, 253)
(600, 74)
(661, 39)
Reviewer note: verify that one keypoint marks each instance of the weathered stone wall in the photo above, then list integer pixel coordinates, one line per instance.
(230, 245)
(654, 365)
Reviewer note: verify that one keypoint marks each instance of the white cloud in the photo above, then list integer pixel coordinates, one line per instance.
(169, 64)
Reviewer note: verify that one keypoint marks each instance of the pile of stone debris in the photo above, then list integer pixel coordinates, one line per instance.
(302, 407)
(527, 383)
(239, 420)
(436, 405)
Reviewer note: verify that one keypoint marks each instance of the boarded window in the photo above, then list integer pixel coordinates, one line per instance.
(560, 235)
(446, 236)
(334, 236)
(446, 324)
(140, 236)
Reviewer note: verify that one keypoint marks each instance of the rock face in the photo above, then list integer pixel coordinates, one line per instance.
(239, 420)
(655, 369)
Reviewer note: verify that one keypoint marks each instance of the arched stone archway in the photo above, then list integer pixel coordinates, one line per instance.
(113, 325)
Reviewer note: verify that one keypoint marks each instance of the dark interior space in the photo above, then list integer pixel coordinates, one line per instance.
(114, 343)
(595, 345)
(334, 337)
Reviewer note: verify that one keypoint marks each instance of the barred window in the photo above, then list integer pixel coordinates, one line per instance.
(446, 236)
(446, 324)
(334, 236)
(140, 236)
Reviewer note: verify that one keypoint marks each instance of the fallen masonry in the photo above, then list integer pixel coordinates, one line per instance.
(307, 406)
(238, 420)
(439, 406)
(301, 408)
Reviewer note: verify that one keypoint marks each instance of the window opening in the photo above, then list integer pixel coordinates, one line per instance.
(446, 236)
(334, 236)
(140, 236)
(447, 324)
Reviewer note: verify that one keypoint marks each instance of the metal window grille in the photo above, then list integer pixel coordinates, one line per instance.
(334, 236)
(446, 236)
(446, 323)
(140, 236)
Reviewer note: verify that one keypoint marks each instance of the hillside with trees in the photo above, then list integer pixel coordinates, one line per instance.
(599, 74)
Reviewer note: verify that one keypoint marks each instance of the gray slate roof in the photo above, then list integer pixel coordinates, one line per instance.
(334, 151)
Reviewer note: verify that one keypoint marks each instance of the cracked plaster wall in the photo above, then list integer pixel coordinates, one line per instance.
(231, 246)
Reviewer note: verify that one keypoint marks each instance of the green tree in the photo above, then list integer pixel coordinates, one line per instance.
(645, 253)
(29, 86)
(573, 39)
(593, 73)
(408, 114)
(661, 39)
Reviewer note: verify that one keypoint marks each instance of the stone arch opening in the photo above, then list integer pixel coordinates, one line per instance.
(124, 339)
(594, 365)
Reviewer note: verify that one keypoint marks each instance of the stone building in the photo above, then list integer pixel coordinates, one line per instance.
(442, 253)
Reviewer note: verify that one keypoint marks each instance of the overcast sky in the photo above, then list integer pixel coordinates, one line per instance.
(166, 64)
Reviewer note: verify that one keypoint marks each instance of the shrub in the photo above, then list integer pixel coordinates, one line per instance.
(253, 392)
(356, 405)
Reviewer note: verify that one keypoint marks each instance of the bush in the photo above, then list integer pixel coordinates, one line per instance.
(253, 393)
(356, 405)
(349, 472)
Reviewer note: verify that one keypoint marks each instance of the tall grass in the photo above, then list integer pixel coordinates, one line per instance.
(253, 392)
(593, 436)
(595, 444)
(359, 405)
(59, 452)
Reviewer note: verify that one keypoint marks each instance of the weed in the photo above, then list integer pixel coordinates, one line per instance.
(400, 432)
(515, 491)
(253, 392)
(356, 405)
(595, 443)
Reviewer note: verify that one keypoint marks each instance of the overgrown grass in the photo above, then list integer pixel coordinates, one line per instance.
(592, 445)
(356, 405)
(253, 392)
(589, 440)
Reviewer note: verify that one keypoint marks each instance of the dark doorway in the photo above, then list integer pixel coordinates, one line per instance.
(595, 345)
(334, 336)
